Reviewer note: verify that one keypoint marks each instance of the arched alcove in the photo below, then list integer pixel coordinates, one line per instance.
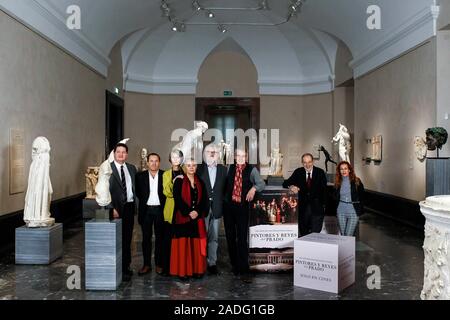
(228, 67)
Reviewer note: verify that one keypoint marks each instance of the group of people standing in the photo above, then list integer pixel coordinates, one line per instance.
(184, 206)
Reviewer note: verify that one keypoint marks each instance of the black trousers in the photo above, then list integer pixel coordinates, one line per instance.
(127, 216)
(166, 247)
(153, 219)
(235, 219)
(309, 221)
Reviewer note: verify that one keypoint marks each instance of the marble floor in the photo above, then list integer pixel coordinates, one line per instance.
(395, 248)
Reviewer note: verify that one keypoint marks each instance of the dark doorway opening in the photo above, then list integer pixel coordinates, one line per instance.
(114, 121)
(229, 113)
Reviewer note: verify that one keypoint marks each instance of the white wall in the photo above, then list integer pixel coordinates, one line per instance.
(397, 101)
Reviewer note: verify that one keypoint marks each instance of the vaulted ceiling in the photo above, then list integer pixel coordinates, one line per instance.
(297, 57)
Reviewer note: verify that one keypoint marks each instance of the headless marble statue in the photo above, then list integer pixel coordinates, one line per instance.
(39, 191)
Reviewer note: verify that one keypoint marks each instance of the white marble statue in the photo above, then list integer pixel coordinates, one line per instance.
(39, 192)
(91, 181)
(144, 165)
(103, 195)
(436, 248)
(276, 160)
(192, 144)
(228, 153)
(342, 137)
(420, 148)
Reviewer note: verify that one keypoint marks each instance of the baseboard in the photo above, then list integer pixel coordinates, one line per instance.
(399, 209)
(66, 211)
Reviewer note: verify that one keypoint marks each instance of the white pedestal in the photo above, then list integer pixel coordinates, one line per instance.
(324, 262)
(436, 248)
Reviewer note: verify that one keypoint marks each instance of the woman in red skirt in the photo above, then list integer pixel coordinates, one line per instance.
(188, 255)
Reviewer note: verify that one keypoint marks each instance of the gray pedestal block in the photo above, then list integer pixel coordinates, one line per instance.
(103, 254)
(438, 176)
(39, 245)
(89, 208)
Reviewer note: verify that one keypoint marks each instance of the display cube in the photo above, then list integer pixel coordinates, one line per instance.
(103, 254)
(324, 262)
(39, 245)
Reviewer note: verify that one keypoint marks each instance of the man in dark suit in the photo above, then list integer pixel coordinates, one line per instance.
(149, 190)
(310, 183)
(214, 176)
(121, 186)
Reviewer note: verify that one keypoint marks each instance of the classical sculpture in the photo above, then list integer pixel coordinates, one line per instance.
(39, 192)
(228, 153)
(276, 160)
(192, 144)
(143, 165)
(91, 181)
(420, 148)
(436, 138)
(342, 137)
(103, 195)
(328, 157)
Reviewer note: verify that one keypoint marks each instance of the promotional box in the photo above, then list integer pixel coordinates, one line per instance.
(324, 262)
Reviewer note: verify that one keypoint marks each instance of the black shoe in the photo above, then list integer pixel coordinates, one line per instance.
(144, 270)
(128, 272)
(213, 270)
(246, 278)
(235, 272)
(126, 277)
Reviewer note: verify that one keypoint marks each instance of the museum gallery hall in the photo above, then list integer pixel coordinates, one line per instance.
(224, 150)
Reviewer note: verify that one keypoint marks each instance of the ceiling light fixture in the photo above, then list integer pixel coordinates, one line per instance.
(293, 9)
(222, 29)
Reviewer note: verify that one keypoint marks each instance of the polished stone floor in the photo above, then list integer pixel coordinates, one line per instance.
(394, 248)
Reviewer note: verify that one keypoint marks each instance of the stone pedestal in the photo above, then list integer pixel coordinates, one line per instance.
(436, 248)
(89, 208)
(39, 245)
(324, 262)
(438, 176)
(103, 254)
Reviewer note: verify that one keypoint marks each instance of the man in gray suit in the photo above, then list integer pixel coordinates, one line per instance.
(214, 176)
(123, 196)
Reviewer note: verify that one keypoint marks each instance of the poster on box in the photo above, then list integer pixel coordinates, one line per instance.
(273, 229)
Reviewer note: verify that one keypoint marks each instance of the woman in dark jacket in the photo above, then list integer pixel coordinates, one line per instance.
(349, 192)
(188, 254)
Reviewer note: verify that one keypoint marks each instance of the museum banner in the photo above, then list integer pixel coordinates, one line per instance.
(273, 229)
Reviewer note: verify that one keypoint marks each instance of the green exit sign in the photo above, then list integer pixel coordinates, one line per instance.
(227, 93)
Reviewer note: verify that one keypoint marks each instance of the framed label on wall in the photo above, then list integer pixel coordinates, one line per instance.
(16, 161)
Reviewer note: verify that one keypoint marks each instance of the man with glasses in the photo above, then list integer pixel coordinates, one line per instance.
(214, 176)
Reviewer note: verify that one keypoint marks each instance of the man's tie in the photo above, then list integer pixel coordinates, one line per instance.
(309, 181)
(124, 182)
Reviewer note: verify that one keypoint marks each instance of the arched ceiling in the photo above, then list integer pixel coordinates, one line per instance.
(294, 58)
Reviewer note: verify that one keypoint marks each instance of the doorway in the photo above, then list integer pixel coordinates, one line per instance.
(228, 113)
(114, 121)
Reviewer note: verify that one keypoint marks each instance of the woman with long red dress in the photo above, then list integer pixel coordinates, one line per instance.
(188, 255)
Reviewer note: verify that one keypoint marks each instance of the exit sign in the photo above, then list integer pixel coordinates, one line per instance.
(227, 93)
